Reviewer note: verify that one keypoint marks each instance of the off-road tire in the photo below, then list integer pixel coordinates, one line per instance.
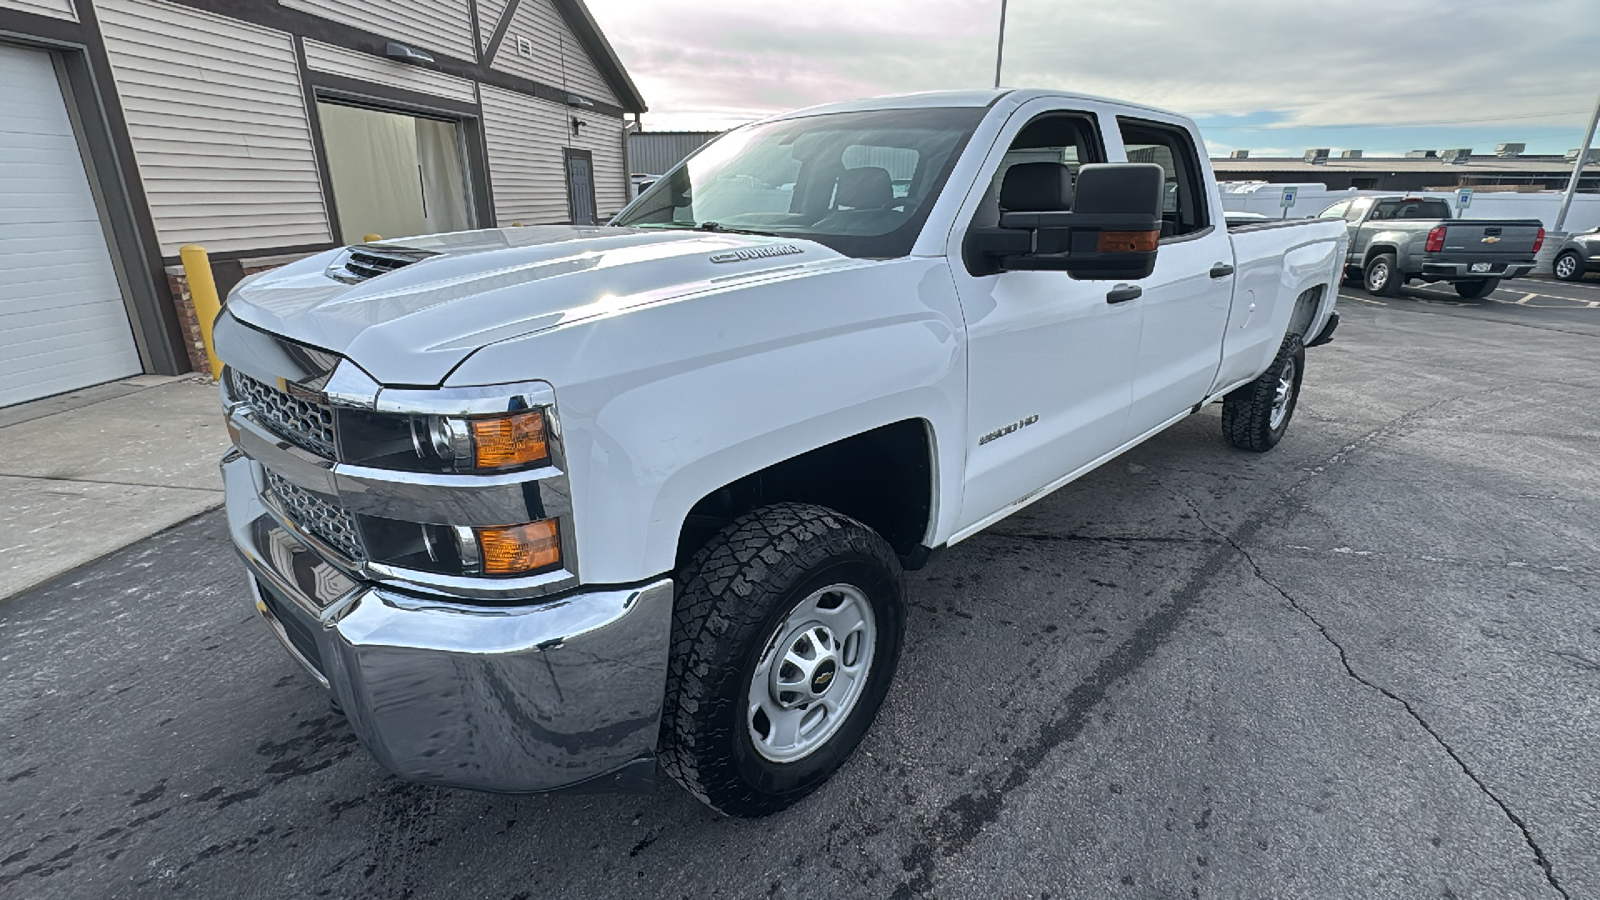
(731, 596)
(1390, 283)
(1247, 410)
(1476, 289)
(1570, 263)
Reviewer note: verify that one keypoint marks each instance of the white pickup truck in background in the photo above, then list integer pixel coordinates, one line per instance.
(546, 507)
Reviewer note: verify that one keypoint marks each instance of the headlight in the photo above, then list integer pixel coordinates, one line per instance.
(488, 444)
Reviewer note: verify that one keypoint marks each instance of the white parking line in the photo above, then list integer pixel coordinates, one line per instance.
(1366, 300)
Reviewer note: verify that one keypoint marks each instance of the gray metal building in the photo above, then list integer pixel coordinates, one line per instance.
(1416, 172)
(654, 152)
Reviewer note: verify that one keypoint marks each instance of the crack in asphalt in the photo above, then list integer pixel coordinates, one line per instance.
(960, 822)
(1344, 660)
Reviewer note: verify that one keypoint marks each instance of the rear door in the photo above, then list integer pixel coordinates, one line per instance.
(1050, 361)
(1186, 299)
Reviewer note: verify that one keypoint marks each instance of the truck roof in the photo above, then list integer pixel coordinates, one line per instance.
(934, 99)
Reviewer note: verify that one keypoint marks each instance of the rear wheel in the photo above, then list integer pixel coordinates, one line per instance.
(1477, 289)
(1256, 415)
(1382, 276)
(786, 636)
(1568, 267)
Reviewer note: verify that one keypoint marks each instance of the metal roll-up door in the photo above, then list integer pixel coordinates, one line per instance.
(63, 323)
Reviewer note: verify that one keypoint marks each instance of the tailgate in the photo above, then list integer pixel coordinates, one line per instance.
(1488, 239)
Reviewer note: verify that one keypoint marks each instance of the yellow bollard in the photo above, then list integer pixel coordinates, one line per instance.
(203, 291)
(372, 237)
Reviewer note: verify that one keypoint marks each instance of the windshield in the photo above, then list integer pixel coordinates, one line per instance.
(861, 183)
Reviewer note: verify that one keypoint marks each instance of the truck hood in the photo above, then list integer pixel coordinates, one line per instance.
(413, 325)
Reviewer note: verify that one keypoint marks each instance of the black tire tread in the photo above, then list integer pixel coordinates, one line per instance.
(1391, 288)
(1577, 266)
(1247, 409)
(719, 602)
(1476, 289)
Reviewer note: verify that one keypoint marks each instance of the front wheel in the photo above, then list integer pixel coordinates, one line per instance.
(1568, 267)
(1477, 289)
(1255, 415)
(786, 636)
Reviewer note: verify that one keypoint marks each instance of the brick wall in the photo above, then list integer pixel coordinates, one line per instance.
(184, 303)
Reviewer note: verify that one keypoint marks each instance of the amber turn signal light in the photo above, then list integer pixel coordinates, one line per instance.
(506, 441)
(516, 549)
(1127, 241)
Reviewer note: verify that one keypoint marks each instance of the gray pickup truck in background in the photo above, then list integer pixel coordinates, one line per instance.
(1394, 240)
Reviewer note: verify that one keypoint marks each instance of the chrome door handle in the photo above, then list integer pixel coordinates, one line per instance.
(1221, 270)
(1122, 293)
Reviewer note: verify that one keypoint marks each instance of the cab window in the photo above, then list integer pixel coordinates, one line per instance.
(1184, 210)
(1069, 139)
(1336, 211)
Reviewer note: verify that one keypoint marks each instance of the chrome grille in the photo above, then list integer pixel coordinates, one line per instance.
(363, 262)
(316, 515)
(307, 424)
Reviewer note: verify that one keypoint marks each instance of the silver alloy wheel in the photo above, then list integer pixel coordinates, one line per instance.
(811, 674)
(1280, 397)
(1565, 266)
(1379, 276)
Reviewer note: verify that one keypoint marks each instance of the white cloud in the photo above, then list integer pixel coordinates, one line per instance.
(703, 64)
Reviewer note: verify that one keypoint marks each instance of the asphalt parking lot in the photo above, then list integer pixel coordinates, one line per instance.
(1366, 664)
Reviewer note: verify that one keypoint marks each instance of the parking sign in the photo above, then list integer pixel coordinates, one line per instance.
(1463, 198)
(1288, 198)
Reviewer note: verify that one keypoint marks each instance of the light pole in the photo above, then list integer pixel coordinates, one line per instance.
(1000, 49)
(1577, 168)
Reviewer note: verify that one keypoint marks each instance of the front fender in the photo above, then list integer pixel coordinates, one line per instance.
(661, 405)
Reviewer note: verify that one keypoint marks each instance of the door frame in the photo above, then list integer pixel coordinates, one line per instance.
(567, 156)
(321, 87)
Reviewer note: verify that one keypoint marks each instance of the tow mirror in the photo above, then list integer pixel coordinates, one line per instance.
(1110, 234)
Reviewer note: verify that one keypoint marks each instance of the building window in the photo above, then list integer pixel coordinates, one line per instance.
(393, 174)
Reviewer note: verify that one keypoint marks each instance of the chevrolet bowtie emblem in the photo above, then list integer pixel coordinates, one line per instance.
(1491, 239)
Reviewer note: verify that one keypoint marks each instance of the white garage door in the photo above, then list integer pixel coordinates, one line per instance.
(63, 324)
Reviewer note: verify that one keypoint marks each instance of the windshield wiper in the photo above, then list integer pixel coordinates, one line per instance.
(717, 227)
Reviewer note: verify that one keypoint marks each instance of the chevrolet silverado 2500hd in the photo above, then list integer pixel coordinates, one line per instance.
(549, 507)
(1394, 240)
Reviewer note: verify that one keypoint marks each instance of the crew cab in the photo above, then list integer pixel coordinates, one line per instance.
(549, 507)
(1394, 240)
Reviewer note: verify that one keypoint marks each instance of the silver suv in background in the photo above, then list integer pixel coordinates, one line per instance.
(1394, 240)
(1578, 255)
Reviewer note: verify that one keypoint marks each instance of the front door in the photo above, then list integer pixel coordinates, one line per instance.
(1187, 298)
(1050, 361)
(580, 187)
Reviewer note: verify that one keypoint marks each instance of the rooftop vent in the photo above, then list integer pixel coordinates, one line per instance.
(1422, 154)
(1350, 154)
(1317, 156)
(1572, 156)
(1238, 154)
(1509, 149)
(1458, 156)
(365, 261)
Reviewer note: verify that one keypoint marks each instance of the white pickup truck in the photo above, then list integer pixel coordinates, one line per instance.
(548, 507)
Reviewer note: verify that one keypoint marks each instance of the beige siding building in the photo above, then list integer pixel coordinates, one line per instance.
(264, 131)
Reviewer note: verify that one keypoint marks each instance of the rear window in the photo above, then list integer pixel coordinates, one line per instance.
(1411, 209)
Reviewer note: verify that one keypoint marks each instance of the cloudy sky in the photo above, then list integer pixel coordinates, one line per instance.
(1271, 76)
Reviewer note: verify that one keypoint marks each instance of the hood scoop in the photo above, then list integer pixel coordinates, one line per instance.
(357, 264)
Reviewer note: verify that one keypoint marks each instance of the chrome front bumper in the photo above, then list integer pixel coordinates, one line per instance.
(563, 692)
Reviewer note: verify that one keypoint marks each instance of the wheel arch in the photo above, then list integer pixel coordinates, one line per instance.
(1377, 249)
(886, 477)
